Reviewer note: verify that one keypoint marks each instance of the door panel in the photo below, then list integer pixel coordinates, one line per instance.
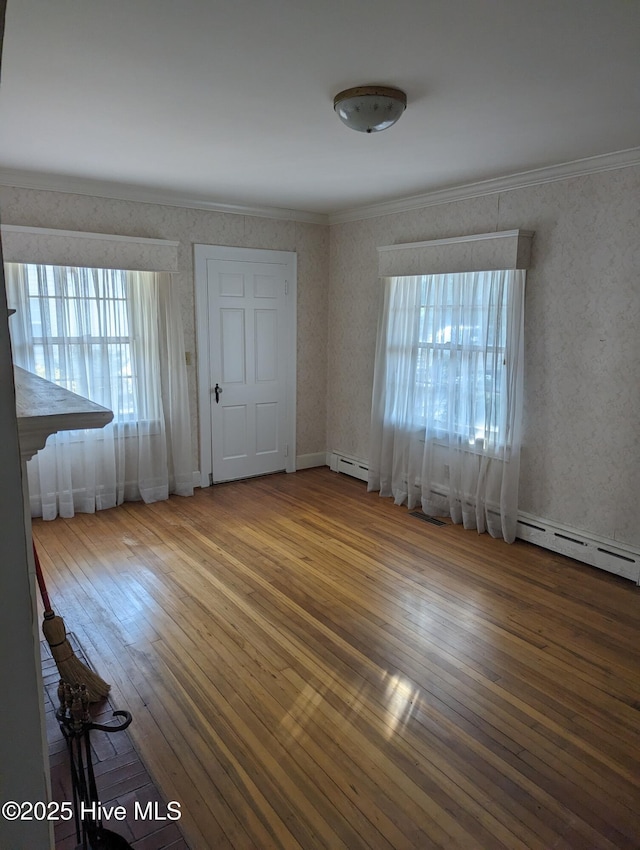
(267, 428)
(266, 345)
(234, 431)
(266, 286)
(231, 283)
(232, 346)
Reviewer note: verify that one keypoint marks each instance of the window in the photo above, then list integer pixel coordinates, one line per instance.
(446, 356)
(114, 337)
(81, 336)
(446, 407)
(460, 358)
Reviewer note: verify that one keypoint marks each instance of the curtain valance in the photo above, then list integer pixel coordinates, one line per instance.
(506, 249)
(87, 250)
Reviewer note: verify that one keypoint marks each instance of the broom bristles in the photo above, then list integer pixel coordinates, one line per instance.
(76, 673)
(69, 666)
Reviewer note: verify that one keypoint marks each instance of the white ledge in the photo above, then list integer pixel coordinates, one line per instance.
(43, 408)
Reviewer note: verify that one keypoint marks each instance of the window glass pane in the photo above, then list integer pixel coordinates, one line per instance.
(32, 280)
(81, 336)
(459, 360)
(38, 360)
(43, 285)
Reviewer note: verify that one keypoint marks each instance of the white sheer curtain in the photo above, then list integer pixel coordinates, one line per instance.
(447, 397)
(114, 337)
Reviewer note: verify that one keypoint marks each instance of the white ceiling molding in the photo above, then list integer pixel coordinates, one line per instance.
(564, 171)
(129, 192)
(88, 250)
(504, 249)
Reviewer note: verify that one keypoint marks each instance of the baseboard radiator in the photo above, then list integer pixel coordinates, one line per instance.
(590, 549)
(596, 551)
(352, 466)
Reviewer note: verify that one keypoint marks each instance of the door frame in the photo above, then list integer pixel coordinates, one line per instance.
(202, 253)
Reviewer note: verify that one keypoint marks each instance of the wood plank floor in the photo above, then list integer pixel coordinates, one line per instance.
(310, 667)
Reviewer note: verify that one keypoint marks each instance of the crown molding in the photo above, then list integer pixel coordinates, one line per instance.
(550, 174)
(129, 192)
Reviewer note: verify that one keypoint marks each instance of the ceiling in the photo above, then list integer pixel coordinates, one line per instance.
(232, 100)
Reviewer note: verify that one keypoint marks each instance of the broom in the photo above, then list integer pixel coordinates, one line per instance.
(71, 669)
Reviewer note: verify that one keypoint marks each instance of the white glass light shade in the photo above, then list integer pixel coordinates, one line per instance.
(369, 109)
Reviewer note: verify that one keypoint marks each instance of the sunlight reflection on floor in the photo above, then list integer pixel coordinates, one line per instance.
(401, 696)
(397, 704)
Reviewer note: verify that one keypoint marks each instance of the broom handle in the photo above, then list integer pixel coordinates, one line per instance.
(43, 588)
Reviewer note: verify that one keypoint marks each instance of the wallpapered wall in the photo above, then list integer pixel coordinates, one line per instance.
(36, 208)
(582, 396)
(581, 457)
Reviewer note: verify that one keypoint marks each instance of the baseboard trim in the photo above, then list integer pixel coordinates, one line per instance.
(310, 460)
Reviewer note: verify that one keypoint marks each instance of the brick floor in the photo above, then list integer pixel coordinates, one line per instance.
(121, 777)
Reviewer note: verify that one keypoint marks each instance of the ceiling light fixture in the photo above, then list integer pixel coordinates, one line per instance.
(369, 109)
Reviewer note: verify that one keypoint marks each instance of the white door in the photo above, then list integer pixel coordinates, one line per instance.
(246, 386)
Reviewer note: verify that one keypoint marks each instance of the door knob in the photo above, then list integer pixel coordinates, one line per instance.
(217, 391)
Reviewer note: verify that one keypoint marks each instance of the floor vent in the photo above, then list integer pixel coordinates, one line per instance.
(425, 518)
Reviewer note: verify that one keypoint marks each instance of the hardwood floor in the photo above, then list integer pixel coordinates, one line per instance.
(309, 666)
